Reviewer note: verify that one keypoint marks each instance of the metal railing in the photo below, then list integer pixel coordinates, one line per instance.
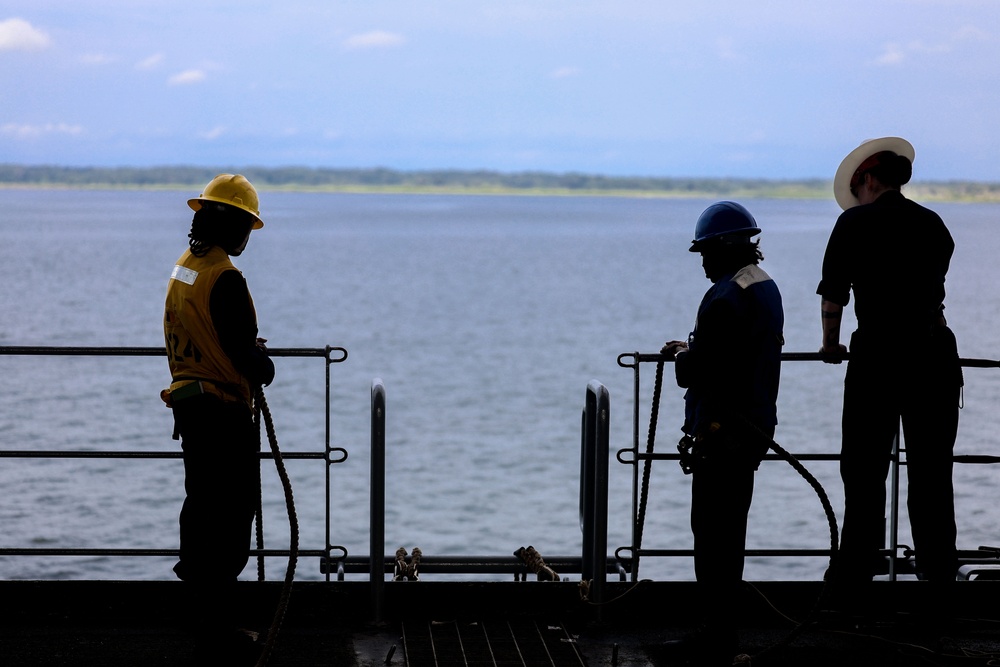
(895, 564)
(330, 455)
(592, 563)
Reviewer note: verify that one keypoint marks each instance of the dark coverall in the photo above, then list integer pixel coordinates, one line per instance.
(221, 465)
(894, 254)
(731, 372)
(221, 448)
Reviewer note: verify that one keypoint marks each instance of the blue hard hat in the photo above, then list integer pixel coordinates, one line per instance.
(724, 221)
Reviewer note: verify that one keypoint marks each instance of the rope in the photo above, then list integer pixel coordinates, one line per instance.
(259, 511)
(831, 518)
(536, 564)
(647, 464)
(407, 571)
(293, 525)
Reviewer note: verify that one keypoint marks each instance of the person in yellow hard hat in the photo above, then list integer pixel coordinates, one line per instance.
(216, 362)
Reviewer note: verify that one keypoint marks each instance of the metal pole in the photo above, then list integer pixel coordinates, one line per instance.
(377, 526)
(601, 417)
(894, 506)
(327, 453)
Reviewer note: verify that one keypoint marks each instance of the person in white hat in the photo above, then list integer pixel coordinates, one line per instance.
(893, 255)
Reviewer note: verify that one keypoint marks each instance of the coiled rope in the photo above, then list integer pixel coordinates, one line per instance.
(783, 454)
(536, 564)
(647, 464)
(261, 409)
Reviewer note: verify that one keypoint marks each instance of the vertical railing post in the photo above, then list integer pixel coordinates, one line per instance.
(893, 506)
(594, 487)
(326, 448)
(635, 468)
(377, 522)
(586, 489)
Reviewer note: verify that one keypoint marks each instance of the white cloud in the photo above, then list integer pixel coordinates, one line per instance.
(564, 72)
(19, 35)
(376, 39)
(24, 131)
(151, 62)
(97, 59)
(214, 133)
(893, 54)
(187, 77)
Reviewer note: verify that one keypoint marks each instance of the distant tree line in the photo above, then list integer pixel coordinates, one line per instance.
(453, 180)
(376, 178)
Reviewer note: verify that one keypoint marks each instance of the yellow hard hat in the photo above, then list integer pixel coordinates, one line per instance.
(232, 189)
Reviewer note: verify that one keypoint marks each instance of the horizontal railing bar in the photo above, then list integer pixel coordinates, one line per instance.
(749, 552)
(14, 551)
(804, 356)
(103, 454)
(472, 564)
(665, 456)
(974, 458)
(977, 459)
(641, 456)
(147, 351)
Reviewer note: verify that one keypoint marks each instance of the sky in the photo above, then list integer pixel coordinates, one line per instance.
(782, 89)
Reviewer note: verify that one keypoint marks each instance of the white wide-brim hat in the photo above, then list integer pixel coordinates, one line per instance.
(842, 181)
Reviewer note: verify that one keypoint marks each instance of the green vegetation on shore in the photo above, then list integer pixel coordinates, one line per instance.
(462, 182)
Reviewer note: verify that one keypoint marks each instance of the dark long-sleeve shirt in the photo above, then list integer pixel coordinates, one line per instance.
(733, 362)
(236, 324)
(894, 255)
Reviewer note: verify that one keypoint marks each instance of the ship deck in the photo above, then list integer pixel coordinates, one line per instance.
(110, 623)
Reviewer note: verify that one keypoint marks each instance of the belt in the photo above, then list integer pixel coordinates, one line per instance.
(187, 391)
(198, 387)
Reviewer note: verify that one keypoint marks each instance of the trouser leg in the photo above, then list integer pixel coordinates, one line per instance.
(221, 465)
(870, 423)
(930, 428)
(720, 502)
(220, 481)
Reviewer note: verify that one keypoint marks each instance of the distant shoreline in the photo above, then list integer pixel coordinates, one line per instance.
(461, 182)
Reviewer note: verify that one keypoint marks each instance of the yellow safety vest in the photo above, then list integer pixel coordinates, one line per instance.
(193, 349)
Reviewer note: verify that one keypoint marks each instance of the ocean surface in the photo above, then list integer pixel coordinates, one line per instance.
(484, 316)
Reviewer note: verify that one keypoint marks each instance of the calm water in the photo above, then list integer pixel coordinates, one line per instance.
(484, 316)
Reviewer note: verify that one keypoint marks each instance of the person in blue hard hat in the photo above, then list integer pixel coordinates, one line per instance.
(216, 363)
(730, 366)
(893, 255)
